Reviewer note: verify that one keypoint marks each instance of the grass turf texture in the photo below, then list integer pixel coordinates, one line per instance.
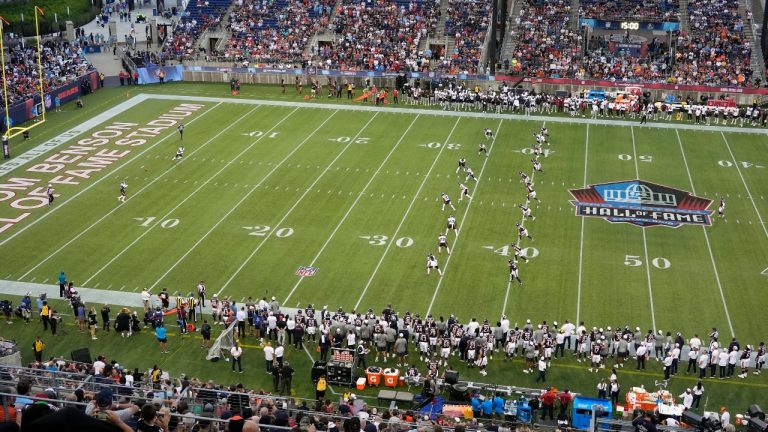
(321, 180)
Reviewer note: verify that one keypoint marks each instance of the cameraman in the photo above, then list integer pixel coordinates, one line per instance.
(103, 403)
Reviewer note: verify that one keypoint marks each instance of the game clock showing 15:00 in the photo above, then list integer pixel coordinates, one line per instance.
(629, 25)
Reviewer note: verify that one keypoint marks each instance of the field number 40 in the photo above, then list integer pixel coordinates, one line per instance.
(635, 261)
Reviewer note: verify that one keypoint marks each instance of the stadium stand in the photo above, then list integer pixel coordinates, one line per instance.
(545, 44)
(467, 23)
(275, 32)
(63, 63)
(643, 10)
(196, 18)
(379, 35)
(716, 51)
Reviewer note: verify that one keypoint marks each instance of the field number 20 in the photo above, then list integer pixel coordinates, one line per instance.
(263, 230)
(635, 261)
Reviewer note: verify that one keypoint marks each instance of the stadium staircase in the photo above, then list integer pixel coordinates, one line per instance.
(509, 42)
(685, 23)
(757, 62)
(575, 15)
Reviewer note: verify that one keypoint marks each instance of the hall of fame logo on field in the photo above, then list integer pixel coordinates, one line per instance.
(641, 203)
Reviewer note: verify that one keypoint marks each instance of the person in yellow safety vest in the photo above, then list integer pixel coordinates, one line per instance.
(37, 348)
(45, 315)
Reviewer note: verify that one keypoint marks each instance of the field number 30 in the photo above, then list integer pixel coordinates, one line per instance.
(635, 261)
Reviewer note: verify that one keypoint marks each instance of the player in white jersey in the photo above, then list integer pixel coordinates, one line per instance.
(544, 131)
(470, 174)
(537, 165)
(464, 192)
(525, 179)
(522, 232)
(531, 194)
(721, 208)
(180, 128)
(518, 252)
(513, 271)
(526, 212)
(179, 153)
(123, 186)
(462, 164)
(442, 242)
(452, 225)
(446, 202)
(49, 191)
(482, 149)
(432, 264)
(537, 150)
(488, 133)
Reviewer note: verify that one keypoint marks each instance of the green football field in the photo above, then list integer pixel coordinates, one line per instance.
(264, 190)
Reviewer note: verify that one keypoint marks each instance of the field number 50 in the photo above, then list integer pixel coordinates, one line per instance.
(635, 261)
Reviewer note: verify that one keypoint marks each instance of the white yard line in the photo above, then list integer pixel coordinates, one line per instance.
(706, 239)
(190, 195)
(464, 218)
(295, 204)
(87, 188)
(645, 241)
(522, 223)
(581, 238)
(749, 194)
(138, 192)
(405, 216)
(242, 200)
(357, 199)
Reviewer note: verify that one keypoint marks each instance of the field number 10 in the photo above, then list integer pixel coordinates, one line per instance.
(168, 223)
(635, 261)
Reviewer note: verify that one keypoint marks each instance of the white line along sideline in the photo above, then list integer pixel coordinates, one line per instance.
(87, 188)
(357, 199)
(295, 204)
(645, 241)
(464, 217)
(138, 192)
(242, 200)
(706, 238)
(190, 195)
(405, 216)
(581, 239)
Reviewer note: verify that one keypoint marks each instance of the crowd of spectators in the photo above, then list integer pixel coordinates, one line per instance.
(637, 10)
(467, 23)
(381, 35)
(198, 18)
(62, 63)
(645, 61)
(545, 44)
(716, 52)
(275, 32)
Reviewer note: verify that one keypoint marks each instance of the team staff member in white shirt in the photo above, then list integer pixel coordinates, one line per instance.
(237, 354)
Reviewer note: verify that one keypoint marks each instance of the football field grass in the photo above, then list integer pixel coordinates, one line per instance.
(266, 189)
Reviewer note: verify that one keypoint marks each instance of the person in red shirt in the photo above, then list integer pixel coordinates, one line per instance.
(548, 404)
(565, 401)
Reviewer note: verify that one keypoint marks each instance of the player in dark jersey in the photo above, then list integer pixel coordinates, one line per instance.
(446, 201)
(180, 128)
(513, 271)
(123, 186)
(462, 164)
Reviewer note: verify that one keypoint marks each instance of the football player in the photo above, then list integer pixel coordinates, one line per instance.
(522, 232)
(446, 202)
(464, 192)
(462, 165)
(123, 186)
(432, 264)
(513, 271)
(442, 242)
(452, 225)
(482, 149)
(526, 212)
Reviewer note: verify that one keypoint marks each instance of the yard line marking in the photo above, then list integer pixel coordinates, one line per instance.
(242, 200)
(645, 242)
(290, 210)
(581, 238)
(464, 218)
(706, 239)
(749, 194)
(349, 210)
(46, 280)
(70, 199)
(190, 195)
(405, 216)
(80, 234)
